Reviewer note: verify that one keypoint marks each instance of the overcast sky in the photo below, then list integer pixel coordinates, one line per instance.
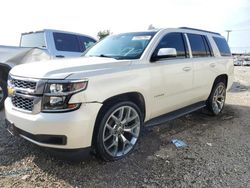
(91, 16)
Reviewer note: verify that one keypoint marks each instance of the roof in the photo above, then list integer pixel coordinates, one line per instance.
(61, 31)
(194, 29)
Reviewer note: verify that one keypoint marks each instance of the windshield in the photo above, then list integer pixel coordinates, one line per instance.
(122, 46)
(33, 40)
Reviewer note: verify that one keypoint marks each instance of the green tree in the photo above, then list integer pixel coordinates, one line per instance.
(103, 34)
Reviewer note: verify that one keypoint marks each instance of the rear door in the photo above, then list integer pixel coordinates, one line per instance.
(204, 65)
(171, 77)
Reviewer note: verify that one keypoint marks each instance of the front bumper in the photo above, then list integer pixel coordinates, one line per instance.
(75, 129)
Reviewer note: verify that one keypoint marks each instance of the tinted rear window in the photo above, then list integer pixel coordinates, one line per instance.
(222, 46)
(66, 42)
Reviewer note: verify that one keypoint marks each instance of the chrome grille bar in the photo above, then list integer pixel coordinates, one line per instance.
(27, 94)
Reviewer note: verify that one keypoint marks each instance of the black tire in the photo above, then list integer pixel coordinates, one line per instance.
(214, 103)
(100, 145)
(3, 93)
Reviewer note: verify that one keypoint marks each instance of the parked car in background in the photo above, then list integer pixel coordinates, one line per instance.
(101, 101)
(40, 45)
(246, 60)
(246, 63)
(238, 62)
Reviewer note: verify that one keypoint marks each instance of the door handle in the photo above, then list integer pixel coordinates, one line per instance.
(186, 69)
(212, 65)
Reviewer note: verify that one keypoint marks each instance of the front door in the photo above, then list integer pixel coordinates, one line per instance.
(172, 77)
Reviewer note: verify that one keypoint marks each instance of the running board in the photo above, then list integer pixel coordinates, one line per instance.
(175, 114)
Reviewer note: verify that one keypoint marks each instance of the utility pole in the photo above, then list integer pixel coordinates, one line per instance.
(228, 31)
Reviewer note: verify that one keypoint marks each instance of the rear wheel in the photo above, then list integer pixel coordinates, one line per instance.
(119, 131)
(216, 100)
(3, 93)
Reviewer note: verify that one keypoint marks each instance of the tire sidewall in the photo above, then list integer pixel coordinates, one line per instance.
(99, 142)
(210, 100)
(3, 85)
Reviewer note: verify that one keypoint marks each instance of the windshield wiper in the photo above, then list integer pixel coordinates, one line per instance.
(103, 55)
(126, 57)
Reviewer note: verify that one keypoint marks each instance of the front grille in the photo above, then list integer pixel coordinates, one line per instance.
(22, 84)
(22, 103)
(25, 93)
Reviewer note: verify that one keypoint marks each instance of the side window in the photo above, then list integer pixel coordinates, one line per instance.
(85, 42)
(66, 42)
(208, 46)
(173, 40)
(222, 46)
(199, 45)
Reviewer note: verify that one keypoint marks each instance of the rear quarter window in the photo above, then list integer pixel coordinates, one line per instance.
(222, 46)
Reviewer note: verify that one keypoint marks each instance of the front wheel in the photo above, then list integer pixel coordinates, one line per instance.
(217, 98)
(119, 131)
(3, 93)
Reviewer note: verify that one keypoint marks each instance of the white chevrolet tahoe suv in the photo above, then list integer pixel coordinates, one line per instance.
(101, 101)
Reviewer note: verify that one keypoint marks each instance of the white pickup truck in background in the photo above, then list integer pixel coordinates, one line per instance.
(40, 45)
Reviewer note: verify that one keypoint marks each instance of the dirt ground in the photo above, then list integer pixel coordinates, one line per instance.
(217, 155)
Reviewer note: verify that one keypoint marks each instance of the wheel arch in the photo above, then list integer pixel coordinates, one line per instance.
(209, 102)
(221, 77)
(134, 97)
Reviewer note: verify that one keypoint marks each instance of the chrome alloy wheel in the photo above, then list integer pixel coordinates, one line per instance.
(219, 99)
(121, 131)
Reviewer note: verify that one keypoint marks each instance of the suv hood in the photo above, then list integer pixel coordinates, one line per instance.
(63, 68)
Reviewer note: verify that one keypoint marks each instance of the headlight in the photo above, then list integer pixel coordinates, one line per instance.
(58, 93)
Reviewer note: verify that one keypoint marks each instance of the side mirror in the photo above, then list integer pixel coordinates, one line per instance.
(167, 52)
(164, 53)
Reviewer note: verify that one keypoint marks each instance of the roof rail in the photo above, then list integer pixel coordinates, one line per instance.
(199, 30)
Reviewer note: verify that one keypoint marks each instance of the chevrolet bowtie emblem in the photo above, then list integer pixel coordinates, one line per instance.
(11, 91)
